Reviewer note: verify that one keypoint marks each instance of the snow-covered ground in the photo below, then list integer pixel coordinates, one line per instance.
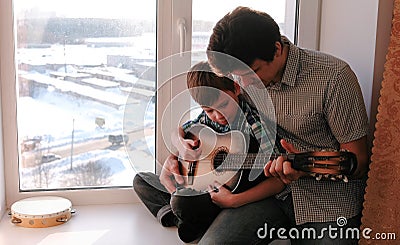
(53, 116)
(58, 117)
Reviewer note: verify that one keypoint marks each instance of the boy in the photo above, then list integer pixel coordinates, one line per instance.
(193, 213)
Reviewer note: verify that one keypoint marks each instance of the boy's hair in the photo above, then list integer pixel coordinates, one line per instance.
(200, 78)
(245, 34)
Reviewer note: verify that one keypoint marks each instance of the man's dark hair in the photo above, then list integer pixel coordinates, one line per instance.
(245, 34)
(200, 78)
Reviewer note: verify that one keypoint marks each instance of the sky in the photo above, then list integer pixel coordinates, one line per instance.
(90, 8)
(202, 9)
(215, 9)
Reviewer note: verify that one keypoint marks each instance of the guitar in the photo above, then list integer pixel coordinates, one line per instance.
(224, 157)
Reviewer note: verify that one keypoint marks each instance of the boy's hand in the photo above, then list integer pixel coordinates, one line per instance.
(188, 148)
(221, 196)
(283, 169)
(170, 175)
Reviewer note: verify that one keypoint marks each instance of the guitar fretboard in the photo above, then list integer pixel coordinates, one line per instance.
(300, 161)
(233, 162)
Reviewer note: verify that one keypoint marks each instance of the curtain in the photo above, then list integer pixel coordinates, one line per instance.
(381, 213)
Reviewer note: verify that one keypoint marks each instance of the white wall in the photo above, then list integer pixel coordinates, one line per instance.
(358, 32)
(3, 68)
(3, 5)
(2, 181)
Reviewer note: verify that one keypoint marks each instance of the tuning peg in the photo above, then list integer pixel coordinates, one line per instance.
(338, 177)
(316, 176)
(342, 177)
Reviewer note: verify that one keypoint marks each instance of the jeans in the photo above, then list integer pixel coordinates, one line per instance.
(191, 211)
(259, 223)
(254, 223)
(240, 225)
(152, 193)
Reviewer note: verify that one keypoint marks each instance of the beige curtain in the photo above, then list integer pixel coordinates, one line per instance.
(381, 212)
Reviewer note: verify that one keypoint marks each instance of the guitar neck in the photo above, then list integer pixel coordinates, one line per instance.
(251, 160)
(317, 161)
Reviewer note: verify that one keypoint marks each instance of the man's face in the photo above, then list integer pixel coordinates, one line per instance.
(262, 70)
(266, 71)
(224, 109)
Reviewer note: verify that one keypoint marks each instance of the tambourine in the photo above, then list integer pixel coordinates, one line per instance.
(40, 212)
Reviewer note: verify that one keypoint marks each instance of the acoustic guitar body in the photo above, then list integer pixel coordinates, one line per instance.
(211, 166)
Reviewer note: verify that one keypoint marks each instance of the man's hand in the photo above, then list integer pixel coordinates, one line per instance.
(283, 169)
(170, 175)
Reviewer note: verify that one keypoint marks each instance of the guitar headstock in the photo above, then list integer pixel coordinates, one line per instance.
(335, 165)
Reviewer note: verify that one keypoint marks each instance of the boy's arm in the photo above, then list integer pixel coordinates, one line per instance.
(187, 148)
(225, 199)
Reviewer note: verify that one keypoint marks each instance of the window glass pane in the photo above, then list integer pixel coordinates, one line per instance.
(78, 62)
(206, 13)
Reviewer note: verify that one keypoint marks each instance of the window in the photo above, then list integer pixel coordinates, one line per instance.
(75, 70)
(77, 74)
(206, 13)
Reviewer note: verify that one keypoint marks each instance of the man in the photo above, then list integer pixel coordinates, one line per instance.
(319, 104)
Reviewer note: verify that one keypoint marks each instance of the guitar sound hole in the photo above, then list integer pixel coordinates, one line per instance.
(219, 160)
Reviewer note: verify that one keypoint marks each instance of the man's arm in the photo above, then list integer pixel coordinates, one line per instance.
(360, 148)
(283, 169)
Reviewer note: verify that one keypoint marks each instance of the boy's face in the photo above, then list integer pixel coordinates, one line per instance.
(225, 108)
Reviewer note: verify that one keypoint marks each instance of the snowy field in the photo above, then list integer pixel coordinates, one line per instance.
(59, 118)
(53, 116)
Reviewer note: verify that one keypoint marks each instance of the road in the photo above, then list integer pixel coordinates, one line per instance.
(97, 144)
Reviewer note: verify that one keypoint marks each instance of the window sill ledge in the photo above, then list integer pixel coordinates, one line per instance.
(95, 224)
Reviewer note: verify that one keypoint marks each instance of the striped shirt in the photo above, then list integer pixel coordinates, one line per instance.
(319, 105)
(247, 121)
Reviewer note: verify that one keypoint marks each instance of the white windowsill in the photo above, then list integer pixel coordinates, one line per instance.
(116, 224)
(95, 224)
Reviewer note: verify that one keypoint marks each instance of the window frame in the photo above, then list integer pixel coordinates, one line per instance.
(168, 11)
